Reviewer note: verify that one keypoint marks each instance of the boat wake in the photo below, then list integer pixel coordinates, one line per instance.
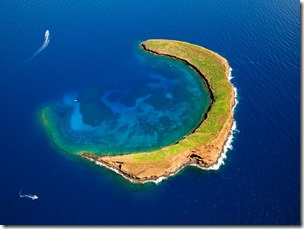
(44, 45)
(29, 196)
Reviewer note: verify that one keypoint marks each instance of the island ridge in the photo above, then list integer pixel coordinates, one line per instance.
(204, 146)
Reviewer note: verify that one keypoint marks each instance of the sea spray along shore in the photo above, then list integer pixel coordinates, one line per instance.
(207, 145)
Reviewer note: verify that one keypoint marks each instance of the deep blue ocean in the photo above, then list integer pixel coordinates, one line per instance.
(95, 42)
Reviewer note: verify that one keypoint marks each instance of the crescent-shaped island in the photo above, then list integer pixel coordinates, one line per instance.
(203, 147)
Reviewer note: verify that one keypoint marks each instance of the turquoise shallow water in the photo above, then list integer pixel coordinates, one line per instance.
(158, 103)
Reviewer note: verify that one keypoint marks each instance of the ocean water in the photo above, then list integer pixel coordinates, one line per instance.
(95, 43)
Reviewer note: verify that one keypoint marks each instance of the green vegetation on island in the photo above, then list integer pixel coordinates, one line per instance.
(213, 68)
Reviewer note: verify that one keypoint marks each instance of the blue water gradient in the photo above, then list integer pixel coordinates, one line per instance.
(165, 102)
(90, 40)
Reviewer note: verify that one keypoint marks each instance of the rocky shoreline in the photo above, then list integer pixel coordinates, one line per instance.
(203, 156)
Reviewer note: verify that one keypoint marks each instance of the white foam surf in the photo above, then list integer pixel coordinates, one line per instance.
(229, 74)
(227, 146)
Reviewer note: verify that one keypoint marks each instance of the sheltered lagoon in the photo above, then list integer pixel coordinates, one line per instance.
(166, 102)
(202, 146)
(205, 147)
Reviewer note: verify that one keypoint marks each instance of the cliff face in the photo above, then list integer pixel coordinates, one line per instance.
(139, 172)
(140, 167)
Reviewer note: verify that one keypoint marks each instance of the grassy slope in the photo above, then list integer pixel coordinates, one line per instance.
(214, 68)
